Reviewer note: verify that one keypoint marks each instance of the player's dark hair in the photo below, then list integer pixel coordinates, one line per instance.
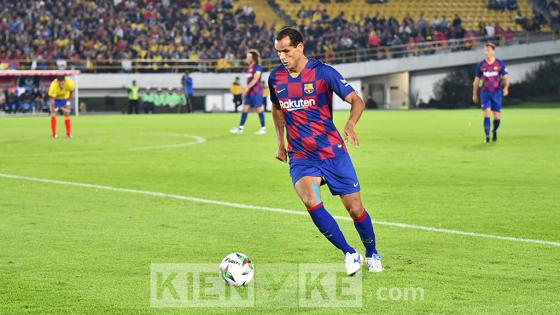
(60, 77)
(255, 55)
(491, 45)
(295, 36)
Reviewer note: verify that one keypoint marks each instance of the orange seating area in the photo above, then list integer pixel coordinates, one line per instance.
(471, 11)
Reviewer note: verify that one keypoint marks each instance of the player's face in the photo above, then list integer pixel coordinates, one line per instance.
(249, 58)
(288, 54)
(60, 83)
(489, 52)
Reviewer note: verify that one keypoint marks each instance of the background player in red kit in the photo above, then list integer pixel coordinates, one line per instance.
(301, 90)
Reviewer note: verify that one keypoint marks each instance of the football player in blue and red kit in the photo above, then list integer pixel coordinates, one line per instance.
(301, 90)
(491, 72)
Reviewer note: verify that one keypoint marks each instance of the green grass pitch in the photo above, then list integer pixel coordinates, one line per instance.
(71, 249)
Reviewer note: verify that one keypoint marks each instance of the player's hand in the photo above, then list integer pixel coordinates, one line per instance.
(350, 135)
(244, 94)
(506, 91)
(475, 98)
(282, 154)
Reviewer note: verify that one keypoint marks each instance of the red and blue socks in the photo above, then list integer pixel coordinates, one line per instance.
(328, 227)
(365, 229)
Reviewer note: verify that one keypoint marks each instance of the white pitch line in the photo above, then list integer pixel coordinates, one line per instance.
(269, 209)
(197, 140)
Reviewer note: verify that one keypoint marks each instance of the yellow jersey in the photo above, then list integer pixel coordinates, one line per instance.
(56, 92)
(236, 89)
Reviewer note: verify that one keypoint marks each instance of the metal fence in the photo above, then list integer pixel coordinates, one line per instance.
(236, 65)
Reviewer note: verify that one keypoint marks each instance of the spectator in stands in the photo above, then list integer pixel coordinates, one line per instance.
(521, 20)
(12, 101)
(25, 102)
(512, 5)
(509, 36)
(457, 21)
(38, 100)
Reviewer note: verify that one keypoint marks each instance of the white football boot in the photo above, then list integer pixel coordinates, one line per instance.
(236, 130)
(374, 263)
(353, 263)
(261, 131)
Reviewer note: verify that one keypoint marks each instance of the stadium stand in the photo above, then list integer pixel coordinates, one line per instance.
(164, 36)
(472, 11)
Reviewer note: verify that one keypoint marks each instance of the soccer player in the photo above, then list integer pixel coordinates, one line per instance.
(60, 92)
(301, 93)
(491, 71)
(253, 93)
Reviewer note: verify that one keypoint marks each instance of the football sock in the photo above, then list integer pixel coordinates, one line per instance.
(328, 226)
(496, 124)
(68, 125)
(243, 119)
(487, 126)
(53, 125)
(261, 117)
(365, 229)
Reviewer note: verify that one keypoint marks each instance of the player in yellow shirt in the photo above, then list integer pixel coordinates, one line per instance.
(60, 92)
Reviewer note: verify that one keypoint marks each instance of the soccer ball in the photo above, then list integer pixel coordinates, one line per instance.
(236, 269)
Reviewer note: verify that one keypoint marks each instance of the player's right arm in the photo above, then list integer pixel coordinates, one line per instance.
(279, 125)
(476, 84)
(52, 95)
(278, 118)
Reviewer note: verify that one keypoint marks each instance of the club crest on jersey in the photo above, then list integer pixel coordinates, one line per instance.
(308, 88)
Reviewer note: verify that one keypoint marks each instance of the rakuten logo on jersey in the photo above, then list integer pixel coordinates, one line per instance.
(490, 73)
(291, 105)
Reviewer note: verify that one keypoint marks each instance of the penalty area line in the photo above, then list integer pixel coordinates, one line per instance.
(270, 209)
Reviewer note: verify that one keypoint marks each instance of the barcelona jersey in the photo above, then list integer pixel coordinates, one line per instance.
(306, 104)
(252, 70)
(491, 74)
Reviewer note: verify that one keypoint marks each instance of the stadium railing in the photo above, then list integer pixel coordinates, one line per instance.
(331, 57)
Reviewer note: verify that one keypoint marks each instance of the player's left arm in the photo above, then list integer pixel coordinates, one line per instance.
(356, 111)
(506, 84)
(505, 76)
(344, 90)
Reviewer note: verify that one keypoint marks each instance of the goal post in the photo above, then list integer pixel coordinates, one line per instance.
(42, 75)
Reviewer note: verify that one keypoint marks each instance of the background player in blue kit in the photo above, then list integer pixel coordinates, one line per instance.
(301, 91)
(253, 93)
(491, 71)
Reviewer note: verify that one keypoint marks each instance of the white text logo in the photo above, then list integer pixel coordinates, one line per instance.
(291, 105)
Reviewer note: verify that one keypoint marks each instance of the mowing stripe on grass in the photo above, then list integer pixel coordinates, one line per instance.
(269, 209)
